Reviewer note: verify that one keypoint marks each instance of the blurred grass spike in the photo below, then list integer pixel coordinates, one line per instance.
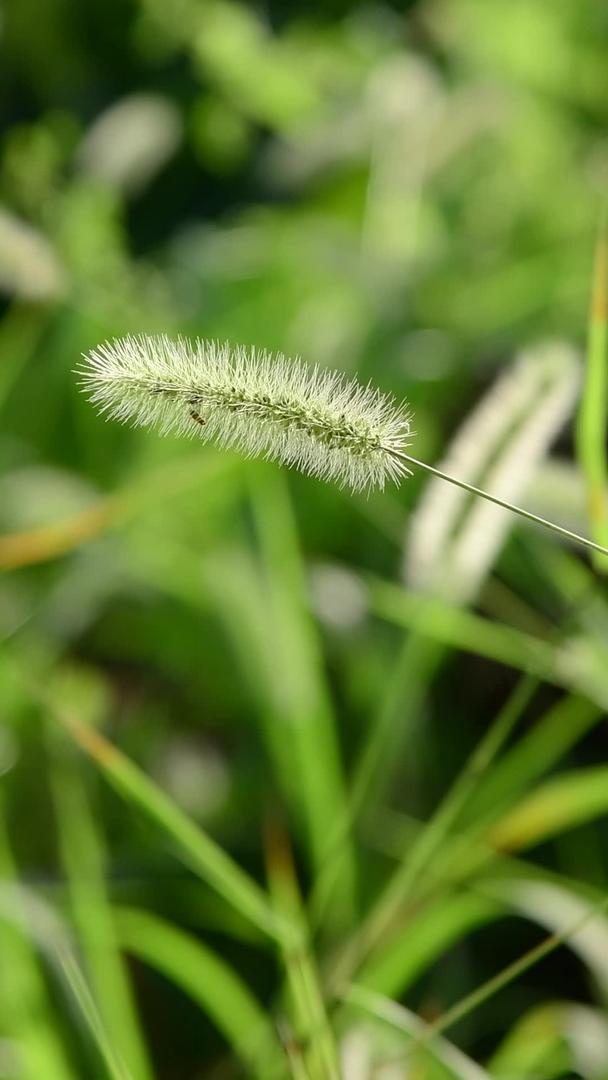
(454, 539)
(313, 419)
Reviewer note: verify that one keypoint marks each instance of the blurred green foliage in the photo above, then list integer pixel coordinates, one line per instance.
(409, 192)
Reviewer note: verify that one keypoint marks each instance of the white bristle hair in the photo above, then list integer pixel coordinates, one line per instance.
(313, 419)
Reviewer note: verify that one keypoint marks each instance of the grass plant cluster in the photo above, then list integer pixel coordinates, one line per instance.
(303, 780)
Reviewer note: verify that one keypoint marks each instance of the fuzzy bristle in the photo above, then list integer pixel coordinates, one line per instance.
(315, 420)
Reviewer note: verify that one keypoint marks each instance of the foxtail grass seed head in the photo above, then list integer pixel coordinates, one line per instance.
(315, 420)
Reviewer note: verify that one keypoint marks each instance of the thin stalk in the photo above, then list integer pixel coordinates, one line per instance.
(429, 841)
(397, 1016)
(497, 982)
(592, 420)
(501, 502)
(426, 1038)
(312, 1027)
(82, 855)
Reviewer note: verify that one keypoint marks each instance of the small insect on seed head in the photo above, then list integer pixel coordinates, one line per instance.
(313, 419)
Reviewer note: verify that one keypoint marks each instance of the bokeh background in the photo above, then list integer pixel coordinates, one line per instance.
(409, 192)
